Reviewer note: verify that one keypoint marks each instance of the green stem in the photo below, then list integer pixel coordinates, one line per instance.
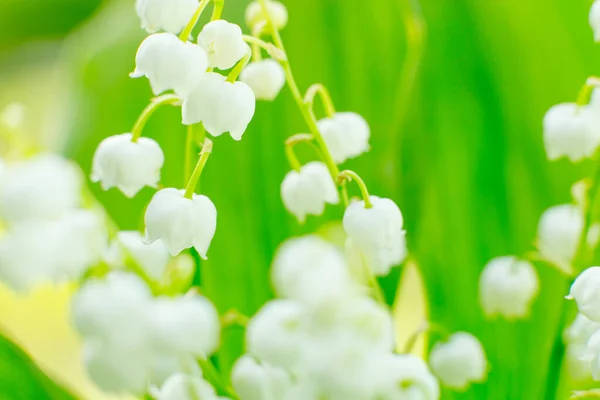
(257, 30)
(187, 31)
(292, 158)
(321, 90)
(211, 374)
(426, 327)
(234, 318)
(154, 105)
(239, 67)
(218, 10)
(193, 182)
(349, 175)
(189, 143)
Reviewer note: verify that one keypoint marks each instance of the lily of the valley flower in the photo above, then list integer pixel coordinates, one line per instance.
(220, 105)
(571, 131)
(181, 222)
(129, 166)
(167, 15)
(346, 135)
(576, 337)
(586, 293)
(259, 381)
(507, 287)
(405, 377)
(152, 258)
(265, 78)
(186, 387)
(169, 63)
(376, 233)
(594, 20)
(459, 362)
(277, 11)
(223, 43)
(306, 192)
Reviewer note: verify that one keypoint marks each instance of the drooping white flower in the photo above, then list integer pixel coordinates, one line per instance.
(405, 377)
(170, 64)
(186, 387)
(129, 166)
(346, 135)
(586, 293)
(181, 222)
(571, 131)
(312, 270)
(459, 362)
(508, 286)
(152, 258)
(223, 42)
(277, 12)
(307, 191)
(220, 105)
(43, 187)
(259, 381)
(376, 233)
(266, 78)
(594, 19)
(576, 337)
(559, 231)
(591, 355)
(167, 15)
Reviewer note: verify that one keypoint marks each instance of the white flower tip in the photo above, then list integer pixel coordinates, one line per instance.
(569, 297)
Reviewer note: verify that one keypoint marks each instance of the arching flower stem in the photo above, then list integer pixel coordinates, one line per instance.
(154, 105)
(193, 182)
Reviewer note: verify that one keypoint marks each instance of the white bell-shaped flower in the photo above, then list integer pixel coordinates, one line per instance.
(277, 12)
(591, 355)
(259, 381)
(167, 15)
(459, 362)
(405, 377)
(576, 337)
(220, 105)
(152, 258)
(376, 233)
(170, 64)
(346, 135)
(266, 78)
(129, 166)
(508, 286)
(312, 270)
(571, 131)
(594, 19)
(186, 387)
(559, 231)
(43, 187)
(307, 191)
(586, 293)
(223, 42)
(181, 222)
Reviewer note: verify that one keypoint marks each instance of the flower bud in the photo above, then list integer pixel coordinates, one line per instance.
(169, 63)
(586, 293)
(129, 166)
(181, 222)
(571, 131)
(223, 42)
(167, 15)
(277, 12)
(220, 105)
(594, 20)
(307, 191)
(507, 287)
(346, 135)
(265, 78)
(459, 362)
(405, 377)
(186, 387)
(259, 381)
(376, 233)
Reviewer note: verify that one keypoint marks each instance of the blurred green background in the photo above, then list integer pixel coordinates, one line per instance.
(455, 105)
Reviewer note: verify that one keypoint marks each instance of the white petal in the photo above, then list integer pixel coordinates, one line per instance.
(223, 43)
(277, 12)
(168, 15)
(254, 381)
(346, 135)
(152, 258)
(586, 292)
(266, 78)
(594, 20)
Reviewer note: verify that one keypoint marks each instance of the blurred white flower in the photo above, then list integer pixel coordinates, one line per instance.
(13, 115)
(459, 362)
(277, 12)
(576, 337)
(508, 286)
(307, 191)
(220, 105)
(167, 15)
(346, 135)
(586, 293)
(169, 63)
(152, 258)
(312, 270)
(266, 78)
(591, 355)
(181, 222)
(405, 377)
(376, 233)
(259, 381)
(186, 387)
(43, 187)
(571, 131)
(223, 42)
(594, 19)
(129, 166)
